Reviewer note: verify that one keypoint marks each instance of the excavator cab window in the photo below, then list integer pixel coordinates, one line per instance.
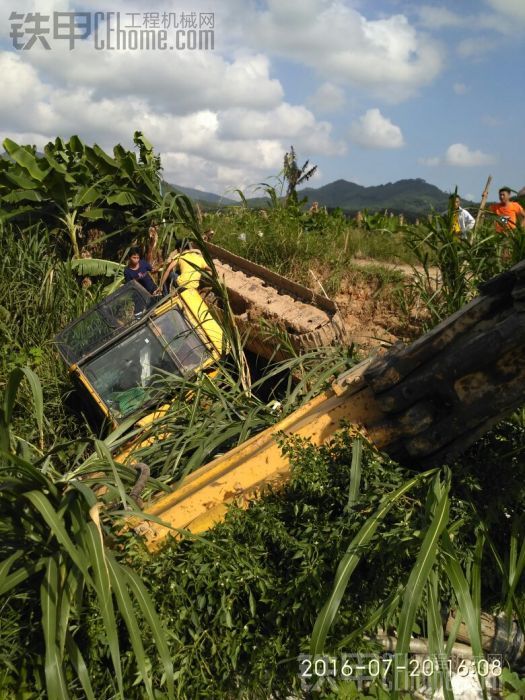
(107, 319)
(123, 375)
(121, 352)
(182, 340)
(127, 374)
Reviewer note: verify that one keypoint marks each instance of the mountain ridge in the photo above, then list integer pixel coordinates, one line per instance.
(411, 196)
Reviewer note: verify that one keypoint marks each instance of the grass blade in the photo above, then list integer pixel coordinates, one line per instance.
(436, 641)
(105, 455)
(79, 665)
(420, 573)
(351, 559)
(118, 584)
(102, 588)
(46, 510)
(470, 614)
(11, 390)
(6, 565)
(384, 611)
(355, 473)
(50, 602)
(153, 620)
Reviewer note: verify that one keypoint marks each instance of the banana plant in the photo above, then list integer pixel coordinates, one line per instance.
(71, 184)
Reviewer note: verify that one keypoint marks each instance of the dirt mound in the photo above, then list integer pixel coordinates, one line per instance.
(370, 312)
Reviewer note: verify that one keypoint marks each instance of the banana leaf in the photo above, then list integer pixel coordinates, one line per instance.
(96, 267)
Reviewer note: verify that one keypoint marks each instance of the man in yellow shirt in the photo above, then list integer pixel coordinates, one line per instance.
(184, 269)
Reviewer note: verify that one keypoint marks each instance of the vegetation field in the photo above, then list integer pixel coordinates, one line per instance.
(354, 546)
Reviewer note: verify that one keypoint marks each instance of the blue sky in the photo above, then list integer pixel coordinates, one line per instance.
(371, 92)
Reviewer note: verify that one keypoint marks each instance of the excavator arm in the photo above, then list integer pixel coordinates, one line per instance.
(423, 404)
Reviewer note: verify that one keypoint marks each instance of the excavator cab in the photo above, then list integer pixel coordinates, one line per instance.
(119, 351)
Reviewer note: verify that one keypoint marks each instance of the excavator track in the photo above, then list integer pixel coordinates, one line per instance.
(261, 298)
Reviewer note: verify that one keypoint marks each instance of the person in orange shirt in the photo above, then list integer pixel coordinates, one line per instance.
(508, 213)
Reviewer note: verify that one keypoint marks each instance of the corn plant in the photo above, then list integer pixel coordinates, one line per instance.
(53, 542)
(450, 267)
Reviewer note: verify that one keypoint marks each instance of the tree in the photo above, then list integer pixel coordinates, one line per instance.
(295, 175)
(73, 185)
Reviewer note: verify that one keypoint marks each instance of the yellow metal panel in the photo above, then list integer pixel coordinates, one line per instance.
(169, 303)
(75, 370)
(203, 321)
(202, 498)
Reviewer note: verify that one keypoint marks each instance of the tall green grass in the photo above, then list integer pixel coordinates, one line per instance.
(54, 560)
(39, 295)
(450, 268)
(292, 241)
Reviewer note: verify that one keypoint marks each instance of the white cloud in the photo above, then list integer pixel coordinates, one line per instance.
(386, 57)
(179, 81)
(514, 9)
(492, 121)
(327, 98)
(460, 155)
(222, 126)
(21, 87)
(437, 17)
(475, 47)
(460, 88)
(373, 130)
(430, 162)
(288, 122)
(187, 170)
(502, 20)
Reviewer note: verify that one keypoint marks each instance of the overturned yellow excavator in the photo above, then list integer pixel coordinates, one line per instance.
(424, 403)
(119, 350)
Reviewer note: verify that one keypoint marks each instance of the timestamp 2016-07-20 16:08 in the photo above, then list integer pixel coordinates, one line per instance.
(393, 670)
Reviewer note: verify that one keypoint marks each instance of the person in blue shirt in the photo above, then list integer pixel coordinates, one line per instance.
(139, 269)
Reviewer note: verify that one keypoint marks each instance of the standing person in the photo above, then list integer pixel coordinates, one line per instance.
(508, 213)
(463, 220)
(139, 269)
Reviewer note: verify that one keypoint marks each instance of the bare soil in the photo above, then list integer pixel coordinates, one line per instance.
(372, 311)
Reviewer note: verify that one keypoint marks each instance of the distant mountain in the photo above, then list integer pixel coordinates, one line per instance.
(408, 196)
(413, 197)
(199, 195)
